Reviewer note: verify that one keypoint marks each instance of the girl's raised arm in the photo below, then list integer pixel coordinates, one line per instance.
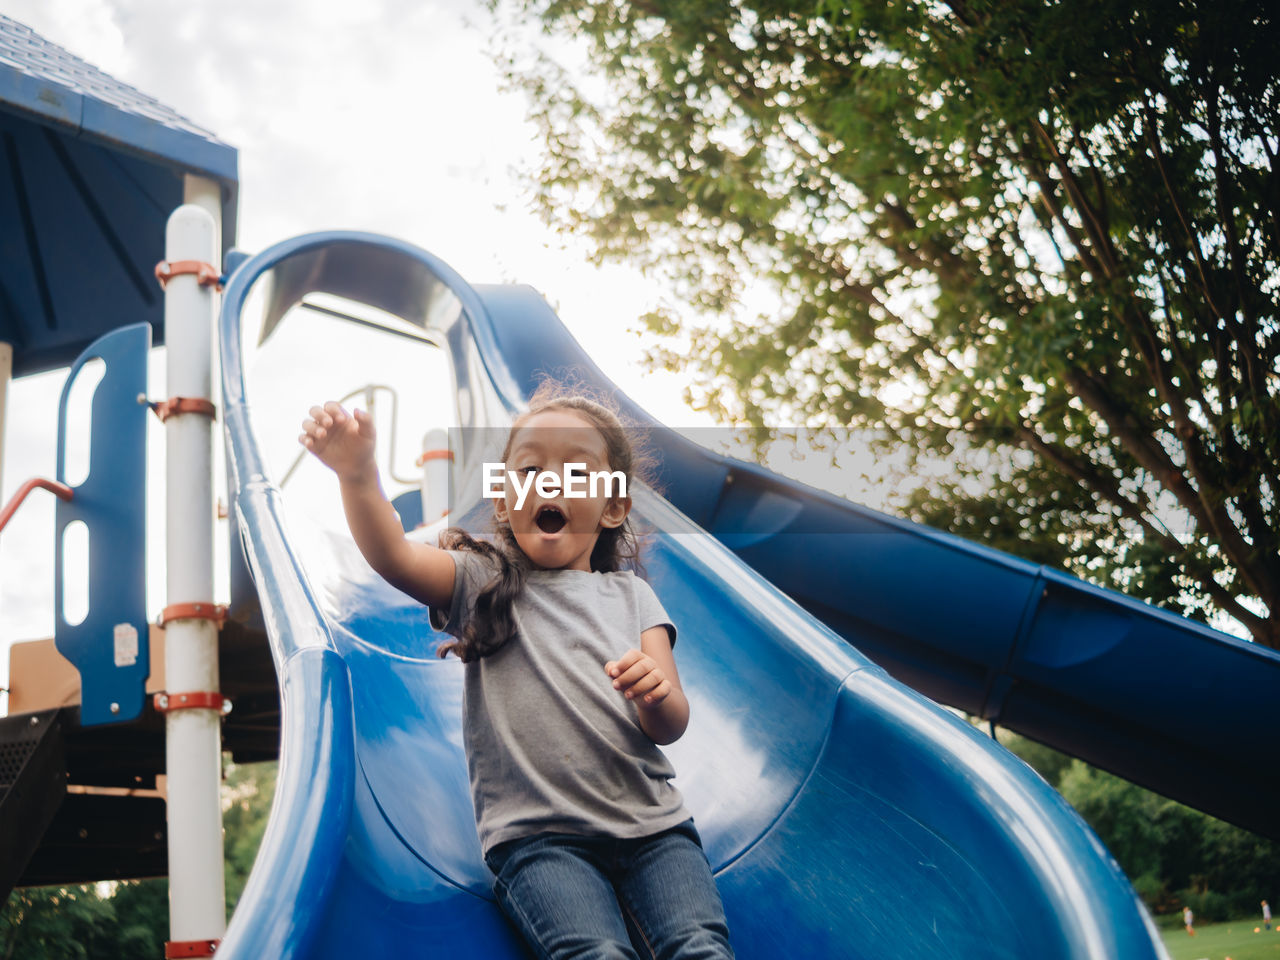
(345, 443)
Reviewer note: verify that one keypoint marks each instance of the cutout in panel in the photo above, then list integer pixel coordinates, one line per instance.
(75, 572)
(79, 416)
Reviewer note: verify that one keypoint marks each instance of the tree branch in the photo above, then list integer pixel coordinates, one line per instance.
(1193, 242)
(1106, 487)
(1098, 235)
(1210, 514)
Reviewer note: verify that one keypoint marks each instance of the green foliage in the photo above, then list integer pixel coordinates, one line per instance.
(983, 228)
(1208, 906)
(55, 923)
(1223, 868)
(142, 918)
(122, 922)
(1173, 855)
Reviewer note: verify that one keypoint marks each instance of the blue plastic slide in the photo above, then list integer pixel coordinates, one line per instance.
(844, 814)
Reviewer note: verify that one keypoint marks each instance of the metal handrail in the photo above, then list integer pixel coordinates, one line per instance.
(59, 490)
(368, 390)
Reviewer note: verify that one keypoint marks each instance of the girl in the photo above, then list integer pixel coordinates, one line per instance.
(569, 686)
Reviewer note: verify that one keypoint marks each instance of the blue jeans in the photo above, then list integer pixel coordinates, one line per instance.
(593, 898)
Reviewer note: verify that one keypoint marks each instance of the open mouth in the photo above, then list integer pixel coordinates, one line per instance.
(550, 519)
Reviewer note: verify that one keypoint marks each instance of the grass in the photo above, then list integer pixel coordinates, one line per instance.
(1218, 941)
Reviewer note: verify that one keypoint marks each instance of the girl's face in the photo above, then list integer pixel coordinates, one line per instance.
(559, 532)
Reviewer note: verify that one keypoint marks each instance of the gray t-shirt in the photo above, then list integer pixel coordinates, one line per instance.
(551, 746)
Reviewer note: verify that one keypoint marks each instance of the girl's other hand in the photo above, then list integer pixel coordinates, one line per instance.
(343, 442)
(638, 677)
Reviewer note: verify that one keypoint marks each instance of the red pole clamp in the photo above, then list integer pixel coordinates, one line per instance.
(206, 274)
(192, 700)
(164, 409)
(189, 948)
(193, 611)
(434, 455)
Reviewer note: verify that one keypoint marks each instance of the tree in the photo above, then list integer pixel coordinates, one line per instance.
(141, 919)
(128, 920)
(1171, 853)
(1045, 233)
(54, 923)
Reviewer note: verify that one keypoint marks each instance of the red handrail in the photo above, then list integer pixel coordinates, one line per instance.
(59, 490)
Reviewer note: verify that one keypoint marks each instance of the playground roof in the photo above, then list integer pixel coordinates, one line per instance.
(90, 169)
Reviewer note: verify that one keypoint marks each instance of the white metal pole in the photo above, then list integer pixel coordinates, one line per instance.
(193, 750)
(206, 193)
(435, 475)
(6, 372)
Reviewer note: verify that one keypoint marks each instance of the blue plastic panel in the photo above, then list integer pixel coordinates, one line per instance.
(110, 646)
(409, 507)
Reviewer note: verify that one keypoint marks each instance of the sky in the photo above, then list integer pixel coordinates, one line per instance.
(384, 115)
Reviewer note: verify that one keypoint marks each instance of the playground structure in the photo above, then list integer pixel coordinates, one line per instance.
(854, 817)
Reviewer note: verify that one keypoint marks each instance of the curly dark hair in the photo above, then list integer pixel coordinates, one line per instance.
(617, 548)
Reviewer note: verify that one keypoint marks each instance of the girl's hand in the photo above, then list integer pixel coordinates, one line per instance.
(638, 677)
(343, 442)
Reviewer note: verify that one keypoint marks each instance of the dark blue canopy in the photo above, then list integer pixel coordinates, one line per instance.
(90, 170)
